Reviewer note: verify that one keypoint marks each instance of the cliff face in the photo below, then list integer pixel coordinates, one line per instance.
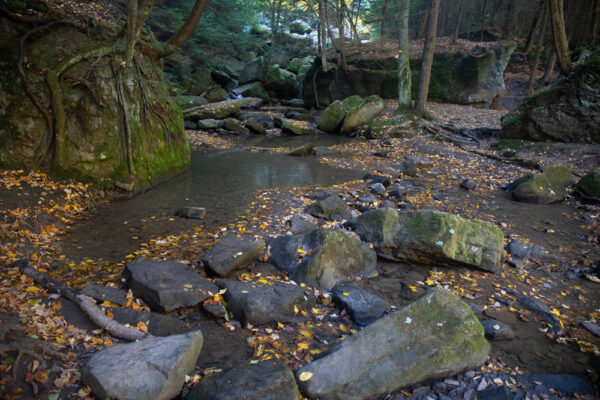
(569, 111)
(119, 119)
(457, 76)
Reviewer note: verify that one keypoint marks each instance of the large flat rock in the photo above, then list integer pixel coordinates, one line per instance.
(436, 336)
(153, 368)
(262, 303)
(167, 285)
(434, 237)
(323, 256)
(363, 307)
(268, 380)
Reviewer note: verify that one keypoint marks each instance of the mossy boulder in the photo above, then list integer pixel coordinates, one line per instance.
(219, 110)
(332, 117)
(273, 78)
(332, 207)
(434, 337)
(589, 186)
(456, 76)
(294, 127)
(550, 186)
(432, 237)
(254, 89)
(93, 146)
(364, 111)
(303, 151)
(216, 94)
(322, 256)
(295, 65)
(352, 101)
(255, 126)
(566, 112)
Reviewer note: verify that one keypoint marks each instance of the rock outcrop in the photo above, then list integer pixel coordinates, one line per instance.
(568, 111)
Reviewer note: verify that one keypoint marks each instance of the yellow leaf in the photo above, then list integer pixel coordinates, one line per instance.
(32, 289)
(300, 251)
(303, 345)
(279, 324)
(305, 376)
(263, 281)
(345, 293)
(296, 310)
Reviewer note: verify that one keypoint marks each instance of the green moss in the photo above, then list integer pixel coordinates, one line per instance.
(512, 118)
(589, 185)
(514, 144)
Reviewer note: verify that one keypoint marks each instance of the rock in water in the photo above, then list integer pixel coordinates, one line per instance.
(589, 186)
(268, 380)
(220, 110)
(255, 126)
(548, 187)
(231, 254)
(191, 212)
(259, 304)
(331, 118)
(361, 113)
(322, 256)
(436, 336)
(304, 151)
(332, 207)
(425, 236)
(364, 307)
(153, 368)
(167, 285)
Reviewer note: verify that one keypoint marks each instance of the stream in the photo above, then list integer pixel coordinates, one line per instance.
(224, 183)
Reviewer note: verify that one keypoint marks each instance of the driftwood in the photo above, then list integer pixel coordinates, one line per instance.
(87, 304)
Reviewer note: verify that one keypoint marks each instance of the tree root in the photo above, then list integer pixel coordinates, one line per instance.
(87, 304)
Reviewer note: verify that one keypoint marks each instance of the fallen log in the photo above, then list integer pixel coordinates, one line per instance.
(87, 304)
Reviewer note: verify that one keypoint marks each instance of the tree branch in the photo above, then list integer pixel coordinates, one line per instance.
(179, 38)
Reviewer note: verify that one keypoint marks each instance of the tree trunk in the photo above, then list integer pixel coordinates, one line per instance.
(510, 18)
(550, 63)
(131, 30)
(323, 34)
(179, 38)
(459, 21)
(428, 52)
(383, 12)
(423, 26)
(538, 50)
(534, 27)
(404, 74)
(560, 35)
(341, 36)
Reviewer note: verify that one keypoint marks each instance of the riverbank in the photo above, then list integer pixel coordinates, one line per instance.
(565, 282)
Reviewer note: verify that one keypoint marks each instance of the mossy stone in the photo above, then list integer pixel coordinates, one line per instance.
(361, 113)
(331, 118)
(550, 186)
(589, 185)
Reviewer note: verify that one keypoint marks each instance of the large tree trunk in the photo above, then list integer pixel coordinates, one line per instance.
(383, 17)
(550, 63)
(560, 35)
(423, 25)
(404, 75)
(323, 34)
(341, 36)
(533, 28)
(428, 52)
(459, 21)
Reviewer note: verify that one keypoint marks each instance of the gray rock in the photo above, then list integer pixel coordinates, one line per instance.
(378, 188)
(589, 186)
(294, 127)
(190, 125)
(158, 324)
(167, 285)
(468, 184)
(326, 257)
(496, 330)
(106, 293)
(260, 304)
(367, 198)
(433, 337)
(332, 207)
(153, 368)
(518, 248)
(209, 123)
(591, 327)
(362, 306)
(268, 380)
(231, 254)
(300, 224)
(218, 110)
(499, 393)
(388, 204)
(408, 168)
(541, 309)
(398, 191)
(254, 89)
(255, 126)
(216, 309)
(235, 126)
(366, 110)
(191, 212)
(434, 237)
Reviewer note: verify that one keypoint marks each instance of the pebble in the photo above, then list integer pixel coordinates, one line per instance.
(451, 382)
(470, 374)
(482, 386)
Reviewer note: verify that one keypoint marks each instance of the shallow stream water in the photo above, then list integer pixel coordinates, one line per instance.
(223, 182)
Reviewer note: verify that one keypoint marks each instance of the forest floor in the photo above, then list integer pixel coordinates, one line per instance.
(37, 214)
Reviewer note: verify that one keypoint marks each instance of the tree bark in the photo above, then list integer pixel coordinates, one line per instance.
(131, 30)
(383, 12)
(534, 27)
(459, 21)
(323, 34)
(538, 50)
(596, 23)
(483, 9)
(423, 25)
(179, 38)
(404, 73)
(560, 35)
(341, 36)
(428, 52)
(550, 63)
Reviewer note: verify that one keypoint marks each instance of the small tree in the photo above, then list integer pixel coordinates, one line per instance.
(404, 74)
(428, 52)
